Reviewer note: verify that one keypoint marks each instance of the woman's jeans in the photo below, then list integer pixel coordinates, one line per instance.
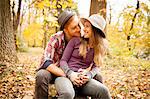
(92, 88)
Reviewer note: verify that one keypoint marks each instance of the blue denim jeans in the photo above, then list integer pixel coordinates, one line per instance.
(93, 88)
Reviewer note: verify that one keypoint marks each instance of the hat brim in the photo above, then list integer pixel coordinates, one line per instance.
(96, 26)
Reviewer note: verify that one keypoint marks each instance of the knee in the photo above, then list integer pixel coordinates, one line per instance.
(64, 88)
(104, 92)
(42, 76)
(99, 78)
(68, 94)
(62, 79)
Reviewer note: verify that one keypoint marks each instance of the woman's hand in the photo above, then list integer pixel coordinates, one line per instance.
(83, 75)
(84, 79)
(75, 79)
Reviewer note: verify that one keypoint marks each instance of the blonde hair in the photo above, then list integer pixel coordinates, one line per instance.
(83, 48)
(97, 42)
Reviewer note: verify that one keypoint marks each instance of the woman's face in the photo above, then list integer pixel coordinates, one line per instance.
(87, 28)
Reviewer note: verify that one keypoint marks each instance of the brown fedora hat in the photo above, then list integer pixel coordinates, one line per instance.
(64, 17)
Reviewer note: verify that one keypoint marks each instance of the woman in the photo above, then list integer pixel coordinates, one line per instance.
(83, 56)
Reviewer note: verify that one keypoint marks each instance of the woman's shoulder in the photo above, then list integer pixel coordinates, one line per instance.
(76, 40)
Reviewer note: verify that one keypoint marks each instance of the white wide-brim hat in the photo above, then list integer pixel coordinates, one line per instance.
(97, 21)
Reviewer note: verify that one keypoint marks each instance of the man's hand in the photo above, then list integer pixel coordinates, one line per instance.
(54, 69)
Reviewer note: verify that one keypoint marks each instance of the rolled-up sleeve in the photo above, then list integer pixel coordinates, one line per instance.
(95, 70)
(66, 56)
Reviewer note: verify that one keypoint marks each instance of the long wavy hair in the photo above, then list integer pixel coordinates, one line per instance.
(97, 42)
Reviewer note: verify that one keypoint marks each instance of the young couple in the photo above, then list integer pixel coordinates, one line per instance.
(71, 59)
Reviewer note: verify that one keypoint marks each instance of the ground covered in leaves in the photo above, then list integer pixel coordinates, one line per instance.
(126, 77)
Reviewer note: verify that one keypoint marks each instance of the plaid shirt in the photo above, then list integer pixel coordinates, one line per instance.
(54, 49)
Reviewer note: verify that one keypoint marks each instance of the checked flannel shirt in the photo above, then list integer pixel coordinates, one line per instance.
(54, 50)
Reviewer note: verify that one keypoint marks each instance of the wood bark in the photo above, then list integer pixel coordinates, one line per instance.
(132, 24)
(16, 20)
(98, 6)
(7, 43)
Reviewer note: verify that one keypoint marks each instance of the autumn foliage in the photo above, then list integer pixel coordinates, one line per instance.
(126, 69)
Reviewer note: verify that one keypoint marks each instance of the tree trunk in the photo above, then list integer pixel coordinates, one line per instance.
(7, 43)
(110, 16)
(103, 8)
(98, 6)
(45, 39)
(16, 20)
(95, 7)
(132, 24)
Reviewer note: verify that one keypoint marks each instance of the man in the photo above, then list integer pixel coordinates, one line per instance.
(69, 26)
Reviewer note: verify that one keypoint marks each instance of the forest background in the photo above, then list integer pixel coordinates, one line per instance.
(25, 28)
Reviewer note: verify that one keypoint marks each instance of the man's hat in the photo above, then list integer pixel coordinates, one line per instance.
(64, 17)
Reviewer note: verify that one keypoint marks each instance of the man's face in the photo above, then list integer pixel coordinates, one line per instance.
(73, 29)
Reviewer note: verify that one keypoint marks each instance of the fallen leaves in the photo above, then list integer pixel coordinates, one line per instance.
(17, 79)
(125, 79)
(126, 82)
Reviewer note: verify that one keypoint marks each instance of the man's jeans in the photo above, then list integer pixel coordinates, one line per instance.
(93, 88)
(43, 79)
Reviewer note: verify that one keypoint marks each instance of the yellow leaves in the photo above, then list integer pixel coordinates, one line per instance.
(54, 4)
(119, 45)
(42, 4)
(51, 19)
(136, 39)
(34, 34)
(47, 3)
(58, 6)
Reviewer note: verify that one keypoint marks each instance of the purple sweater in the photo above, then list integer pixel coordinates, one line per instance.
(73, 60)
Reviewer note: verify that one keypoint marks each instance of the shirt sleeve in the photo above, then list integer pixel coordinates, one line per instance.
(94, 70)
(49, 52)
(46, 64)
(66, 56)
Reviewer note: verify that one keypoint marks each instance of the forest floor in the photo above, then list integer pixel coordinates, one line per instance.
(126, 78)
